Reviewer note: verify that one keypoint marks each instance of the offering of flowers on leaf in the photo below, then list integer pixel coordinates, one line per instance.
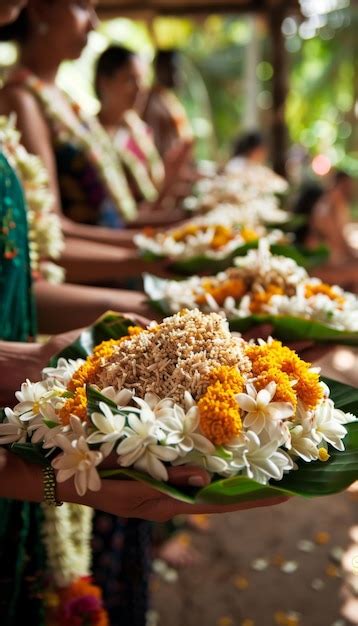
(187, 391)
(199, 238)
(248, 188)
(257, 176)
(264, 286)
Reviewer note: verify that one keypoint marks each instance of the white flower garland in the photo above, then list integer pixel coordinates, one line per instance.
(46, 239)
(67, 532)
(89, 136)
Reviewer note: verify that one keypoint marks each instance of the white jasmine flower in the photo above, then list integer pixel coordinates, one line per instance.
(79, 461)
(152, 407)
(13, 430)
(32, 398)
(40, 431)
(302, 444)
(326, 427)
(259, 460)
(120, 397)
(212, 463)
(63, 371)
(109, 428)
(181, 431)
(141, 448)
(261, 412)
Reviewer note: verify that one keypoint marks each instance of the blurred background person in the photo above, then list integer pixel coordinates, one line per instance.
(118, 86)
(163, 110)
(330, 216)
(86, 174)
(250, 147)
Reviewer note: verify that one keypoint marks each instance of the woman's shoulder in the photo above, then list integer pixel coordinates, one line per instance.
(15, 97)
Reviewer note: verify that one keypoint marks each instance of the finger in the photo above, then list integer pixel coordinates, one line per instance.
(263, 331)
(187, 475)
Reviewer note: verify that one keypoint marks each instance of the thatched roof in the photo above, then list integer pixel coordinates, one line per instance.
(111, 8)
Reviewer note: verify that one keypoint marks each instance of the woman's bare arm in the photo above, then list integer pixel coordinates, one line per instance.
(23, 481)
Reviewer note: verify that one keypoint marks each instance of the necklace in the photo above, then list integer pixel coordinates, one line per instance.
(46, 240)
(87, 134)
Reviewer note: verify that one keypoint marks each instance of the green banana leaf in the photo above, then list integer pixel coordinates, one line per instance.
(310, 480)
(203, 264)
(288, 328)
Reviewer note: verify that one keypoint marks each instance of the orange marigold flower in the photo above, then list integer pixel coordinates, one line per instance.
(234, 287)
(219, 412)
(84, 375)
(229, 377)
(81, 602)
(222, 236)
(327, 290)
(284, 391)
(276, 356)
(249, 234)
(75, 406)
(260, 298)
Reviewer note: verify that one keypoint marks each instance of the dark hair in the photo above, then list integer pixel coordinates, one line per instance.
(109, 62)
(244, 144)
(305, 202)
(18, 30)
(166, 58)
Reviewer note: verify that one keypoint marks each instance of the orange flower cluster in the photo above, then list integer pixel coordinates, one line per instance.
(271, 359)
(219, 412)
(260, 298)
(234, 287)
(86, 375)
(327, 290)
(80, 604)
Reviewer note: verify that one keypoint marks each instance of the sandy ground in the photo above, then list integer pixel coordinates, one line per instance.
(255, 570)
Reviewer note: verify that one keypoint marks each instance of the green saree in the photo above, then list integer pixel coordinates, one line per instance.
(21, 557)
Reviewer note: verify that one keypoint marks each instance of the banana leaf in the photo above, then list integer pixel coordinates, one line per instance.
(203, 264)
(310, 480)
(288, 328)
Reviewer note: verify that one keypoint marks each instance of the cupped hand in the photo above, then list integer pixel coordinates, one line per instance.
(129, 498)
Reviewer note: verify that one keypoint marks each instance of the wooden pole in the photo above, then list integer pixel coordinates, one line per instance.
(279, 136)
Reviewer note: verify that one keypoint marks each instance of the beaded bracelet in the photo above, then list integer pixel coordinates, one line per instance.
(50, 486)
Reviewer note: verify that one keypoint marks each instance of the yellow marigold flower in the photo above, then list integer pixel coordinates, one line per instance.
(75, 406)
(219, 412)
(183, 233)
(327, 290)
(84, 375)
(284, 390)
(234, 287)
(276, 356)
(229, 377)
(104, 349)
(222, 236)
(135, 330)
(249, 234)
(260, 298)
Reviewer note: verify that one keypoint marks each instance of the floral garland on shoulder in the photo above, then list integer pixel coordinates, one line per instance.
(141, 134)
(45, 233)
(89, 136)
